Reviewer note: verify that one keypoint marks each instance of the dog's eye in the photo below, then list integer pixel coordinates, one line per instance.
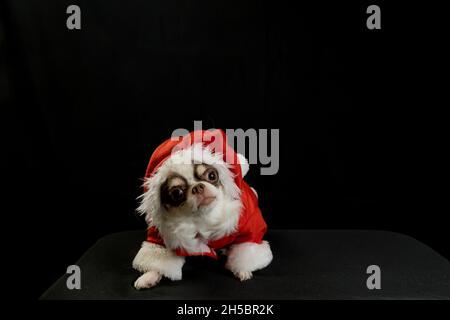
(177, 194)
(212, 175)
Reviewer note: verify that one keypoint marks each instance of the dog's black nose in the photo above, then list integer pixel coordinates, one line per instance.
(198, 188)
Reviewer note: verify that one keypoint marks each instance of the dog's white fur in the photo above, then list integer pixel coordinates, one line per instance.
(248, 257)
(191, 232)
(153, 257)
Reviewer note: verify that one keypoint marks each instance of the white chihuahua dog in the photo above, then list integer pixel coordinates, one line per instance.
(195, 202)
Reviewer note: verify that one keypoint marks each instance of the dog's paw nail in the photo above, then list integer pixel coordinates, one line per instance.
(243, 275)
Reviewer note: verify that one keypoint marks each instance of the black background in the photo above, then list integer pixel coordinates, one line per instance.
(361, 125)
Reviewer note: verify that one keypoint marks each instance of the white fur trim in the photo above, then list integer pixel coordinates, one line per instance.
(248, 256)
(153, 257)
(244, 164)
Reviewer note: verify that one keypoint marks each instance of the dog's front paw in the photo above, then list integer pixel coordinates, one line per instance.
(243, 275)
(147, 280)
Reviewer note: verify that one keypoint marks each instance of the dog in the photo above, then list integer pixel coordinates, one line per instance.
(196, 203)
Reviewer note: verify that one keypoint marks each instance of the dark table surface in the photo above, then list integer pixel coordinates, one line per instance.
(308, 264)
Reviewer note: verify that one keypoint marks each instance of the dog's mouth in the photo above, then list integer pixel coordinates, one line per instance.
(204, 201)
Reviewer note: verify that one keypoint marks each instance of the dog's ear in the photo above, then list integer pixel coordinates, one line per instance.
(150, 204)
(244, 164)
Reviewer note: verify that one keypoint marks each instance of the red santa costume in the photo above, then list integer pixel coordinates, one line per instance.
(247, 250)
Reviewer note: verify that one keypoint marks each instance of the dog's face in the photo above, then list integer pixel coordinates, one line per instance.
(192, 197)
(191, 188)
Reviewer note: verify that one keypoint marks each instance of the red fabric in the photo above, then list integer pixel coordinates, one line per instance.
(251, 225)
